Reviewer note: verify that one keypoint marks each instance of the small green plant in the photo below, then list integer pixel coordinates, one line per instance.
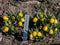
(12, 22)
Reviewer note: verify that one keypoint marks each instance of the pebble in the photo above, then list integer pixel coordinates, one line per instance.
(0, 37)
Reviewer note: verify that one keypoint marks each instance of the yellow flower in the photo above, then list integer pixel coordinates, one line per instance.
(51, 31)
(31, 36)
(22, 20)
(39, 34)
(40, 27)
(41, 15)
(5, 18)
(42, 19)
(5, 28)
(9, 22)
(52, 20)
(56, 29)
(13, 17)
(20, 24)
(55, 21)
(34, 33)
(20, 14)
(35, 19)
(45, 28)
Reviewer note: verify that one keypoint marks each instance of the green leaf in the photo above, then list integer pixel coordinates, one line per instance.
(36, 29)
(34, 24)
(38, 16)
(37, 39)
(53, 16)
(6, 23)
(29, 31)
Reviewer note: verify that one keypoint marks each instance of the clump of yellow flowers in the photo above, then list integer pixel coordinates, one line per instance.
(55, 21)
(20, 23)
(45, 24)
(35, 34)
(13, 21)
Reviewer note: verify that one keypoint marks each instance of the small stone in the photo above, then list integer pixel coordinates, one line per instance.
(0, 0)
(59, 3)
(0, 37)
(38, 3)
(57, 7)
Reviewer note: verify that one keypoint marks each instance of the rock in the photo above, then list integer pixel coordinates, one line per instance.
(0, 37)
(1, 9)
(7, 40)
(0, 0)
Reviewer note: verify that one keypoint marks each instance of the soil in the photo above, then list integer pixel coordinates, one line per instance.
(27, 6)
